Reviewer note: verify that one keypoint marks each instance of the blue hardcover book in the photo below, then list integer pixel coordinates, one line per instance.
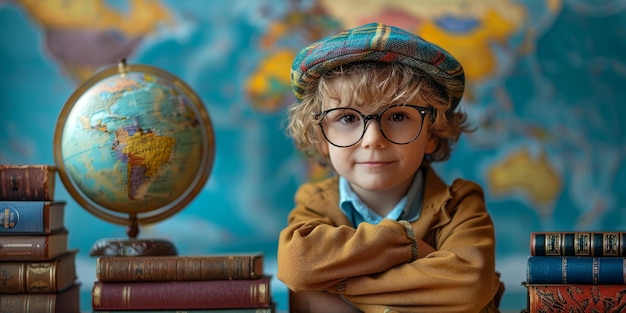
(31, 217)
(605, 243)
(576, 270)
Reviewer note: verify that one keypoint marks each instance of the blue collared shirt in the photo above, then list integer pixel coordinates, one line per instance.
(408, 208)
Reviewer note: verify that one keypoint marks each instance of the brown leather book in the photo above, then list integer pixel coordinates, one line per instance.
(33, 247)
(184, 295)
(178, 268)
(67, 301)
(27, 182)
(31, 217)
(38, 277)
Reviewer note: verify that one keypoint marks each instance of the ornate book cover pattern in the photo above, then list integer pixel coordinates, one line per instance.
(578, 244)
(576, 298)
(38, 277)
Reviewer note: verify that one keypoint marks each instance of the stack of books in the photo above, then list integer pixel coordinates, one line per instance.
(232, 283)
(576, 272)
(37, 270)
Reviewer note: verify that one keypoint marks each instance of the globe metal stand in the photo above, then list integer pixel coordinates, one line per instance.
(132, 246)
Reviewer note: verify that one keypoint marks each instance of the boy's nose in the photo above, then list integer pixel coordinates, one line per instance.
(373, 137)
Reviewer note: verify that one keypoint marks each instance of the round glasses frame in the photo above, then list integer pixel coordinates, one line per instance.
(366, 118)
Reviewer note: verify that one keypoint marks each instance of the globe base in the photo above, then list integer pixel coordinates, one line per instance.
(132, 247)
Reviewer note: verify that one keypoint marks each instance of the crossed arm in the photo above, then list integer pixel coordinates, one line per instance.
(371, 266)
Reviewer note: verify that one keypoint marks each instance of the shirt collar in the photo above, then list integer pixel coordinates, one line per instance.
(408, 208)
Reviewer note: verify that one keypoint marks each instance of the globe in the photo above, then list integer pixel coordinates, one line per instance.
(133, 144)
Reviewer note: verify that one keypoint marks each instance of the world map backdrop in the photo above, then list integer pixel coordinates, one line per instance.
(545, 88)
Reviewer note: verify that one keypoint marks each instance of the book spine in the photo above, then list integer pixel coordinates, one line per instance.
(66, 301)
(32, 247)
(576, 270)
(12, 277)
(169, 295)
(35, 217)
(44, 303)
(178, 268)
(576, 298)
(38, 277)
(27, 182)
(578, 244)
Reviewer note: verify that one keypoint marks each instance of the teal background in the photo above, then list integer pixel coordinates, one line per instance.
(549, 150)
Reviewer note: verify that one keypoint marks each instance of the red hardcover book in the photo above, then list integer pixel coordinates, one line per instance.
(207, 294)
(576, 298)
(27, 182)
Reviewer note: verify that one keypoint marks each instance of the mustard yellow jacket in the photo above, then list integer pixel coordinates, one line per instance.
(371, 265)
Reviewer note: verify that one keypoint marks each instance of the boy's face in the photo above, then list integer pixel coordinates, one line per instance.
(374, 163)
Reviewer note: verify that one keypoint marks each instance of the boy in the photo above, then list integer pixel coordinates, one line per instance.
(385, 234)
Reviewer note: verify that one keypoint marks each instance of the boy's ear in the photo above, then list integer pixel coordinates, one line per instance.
(322, 147)
(432, 144)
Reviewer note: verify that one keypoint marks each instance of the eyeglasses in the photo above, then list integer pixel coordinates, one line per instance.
(400, 124)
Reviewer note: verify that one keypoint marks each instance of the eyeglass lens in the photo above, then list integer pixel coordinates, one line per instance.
(344, 127)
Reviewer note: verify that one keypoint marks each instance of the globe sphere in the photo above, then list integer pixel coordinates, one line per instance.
(134, 142)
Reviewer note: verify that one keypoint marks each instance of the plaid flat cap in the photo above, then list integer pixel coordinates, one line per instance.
(377, 42)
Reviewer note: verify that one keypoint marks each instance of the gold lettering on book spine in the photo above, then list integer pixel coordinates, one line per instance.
(612, 244)
(41, 277)
(553, 243)
(595, 270)
(582, 244)
(229, 267)
(126, 295)
(96, 296)
(258, 293)
(564, 270)
(262, 294)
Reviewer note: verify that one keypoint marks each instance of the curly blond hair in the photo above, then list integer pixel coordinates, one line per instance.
(376, 85)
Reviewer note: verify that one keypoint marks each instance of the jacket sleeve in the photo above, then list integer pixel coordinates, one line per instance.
(371, 266)
(458, 277)
(315, 253)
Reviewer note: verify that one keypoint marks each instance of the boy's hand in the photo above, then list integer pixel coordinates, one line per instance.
(318, 302)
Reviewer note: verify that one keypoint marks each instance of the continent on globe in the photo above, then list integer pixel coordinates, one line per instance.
(145, 153)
